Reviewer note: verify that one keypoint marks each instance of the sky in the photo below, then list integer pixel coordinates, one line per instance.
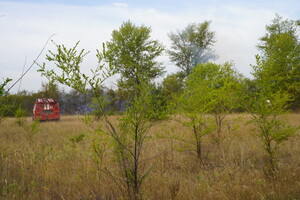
(26, 25)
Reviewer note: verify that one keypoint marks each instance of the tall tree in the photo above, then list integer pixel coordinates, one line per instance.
(279, 62)
(192, 46)
(132, 53)
(277, 83)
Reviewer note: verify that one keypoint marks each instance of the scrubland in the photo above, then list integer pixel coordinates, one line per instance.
(55, 160)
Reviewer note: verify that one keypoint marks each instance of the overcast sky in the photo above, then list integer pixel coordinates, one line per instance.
(26, 25)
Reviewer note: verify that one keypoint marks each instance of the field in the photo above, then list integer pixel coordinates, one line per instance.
(55, 160)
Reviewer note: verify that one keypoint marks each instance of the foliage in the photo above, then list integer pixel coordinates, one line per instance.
(32, 129)
(132, 53)
(129, 146)
(210, 89)
(158, 102)
(3, 106)
(20, 116)
(279, 62)
(7, 108)
(50, 90)
(110, 99)
(113, 100)
(192, 46)
(220, 84)
(194, 104)
(2, 86)
(266, 107)
(172, 85)
(277, 84)
(68, 61)
(75, 102)
(128, 137)
(77, 139)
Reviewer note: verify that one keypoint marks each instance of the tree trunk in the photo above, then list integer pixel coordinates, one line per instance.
(198, 143)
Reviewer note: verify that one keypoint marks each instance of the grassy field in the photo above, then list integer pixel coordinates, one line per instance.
(55, 160)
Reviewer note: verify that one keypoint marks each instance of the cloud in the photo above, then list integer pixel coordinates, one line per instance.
(122, 5)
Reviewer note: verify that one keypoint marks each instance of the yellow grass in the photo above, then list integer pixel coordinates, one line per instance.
(48, 165)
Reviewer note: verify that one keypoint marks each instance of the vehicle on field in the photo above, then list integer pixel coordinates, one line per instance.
(46, 109)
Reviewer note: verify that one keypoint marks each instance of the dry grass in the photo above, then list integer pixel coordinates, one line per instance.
(48, 165)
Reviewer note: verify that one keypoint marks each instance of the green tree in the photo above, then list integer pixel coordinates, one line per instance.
(50, 90)
(138, 67)
(108, 98)
(192, 46)
(5, 105)
(210, 89)
(279, 62)
(158, 102)
(20, 116)
(225, 84)
(112, 98)
(129, 146)
(172, 86)
(194, 104)
(2, 86)
(277, 75)
(266, 108)
(132, 53)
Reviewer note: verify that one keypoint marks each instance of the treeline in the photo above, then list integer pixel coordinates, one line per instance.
(163, 97)
(72, 102)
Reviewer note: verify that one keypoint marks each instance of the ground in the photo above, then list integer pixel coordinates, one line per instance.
(57, 160)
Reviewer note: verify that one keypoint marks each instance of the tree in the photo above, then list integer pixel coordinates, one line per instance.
(194, 104)
(132, 53)
(279, 62)
(75, 102)
(210, 89)
(172, 86)
(225, 85)
(266, 106)
(50, 90)
(277, 83)
(192, 46)
(112, 100)
(129, 146)
(3, 92)
(2, 86)
(158, 101)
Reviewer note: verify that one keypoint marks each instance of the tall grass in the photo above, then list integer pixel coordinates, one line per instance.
(57, 162)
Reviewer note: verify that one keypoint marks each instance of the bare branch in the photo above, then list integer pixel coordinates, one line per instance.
(34, 62)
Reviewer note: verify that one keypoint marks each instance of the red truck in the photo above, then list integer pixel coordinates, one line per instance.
(46, 109)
